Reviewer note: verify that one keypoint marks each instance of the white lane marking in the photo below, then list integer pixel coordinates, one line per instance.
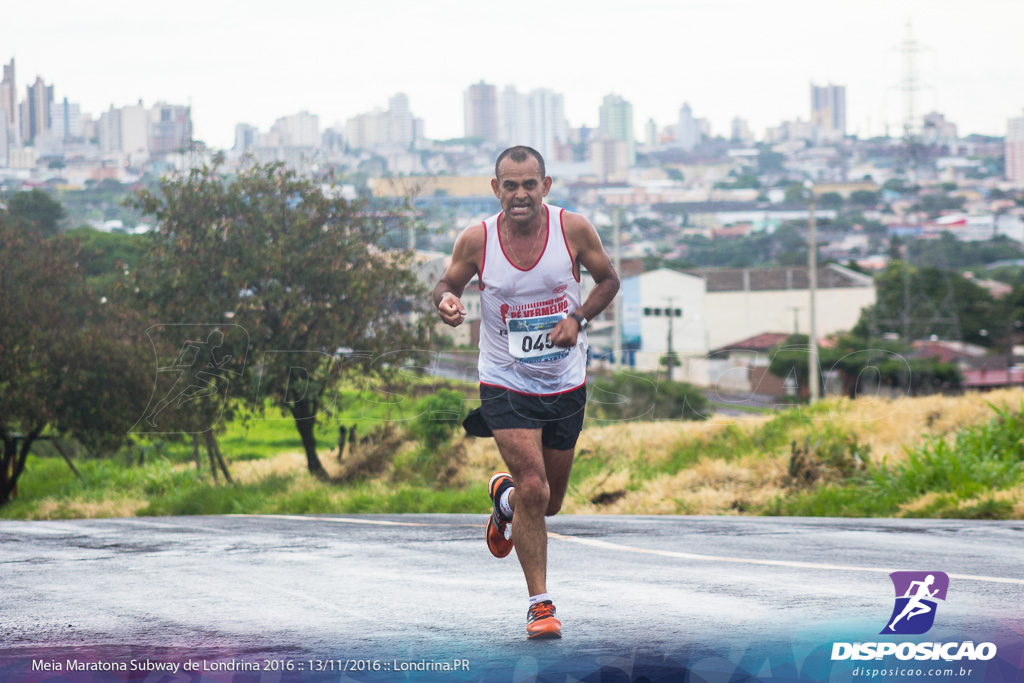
(663, 553)
(774, 563)
(347, 520)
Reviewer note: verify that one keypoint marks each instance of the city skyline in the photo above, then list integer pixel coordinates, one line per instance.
(725, 59)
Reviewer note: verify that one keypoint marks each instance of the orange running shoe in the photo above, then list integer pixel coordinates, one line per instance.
(499, 529)
(541, 622)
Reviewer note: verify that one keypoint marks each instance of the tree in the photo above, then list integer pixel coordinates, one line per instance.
(792, 357)
(831, 200)
(917, 302)
(795, 194)
(770, 162)
(865, 198)
(855, 359)
(36, 210)
(296, 266)
(70, 364)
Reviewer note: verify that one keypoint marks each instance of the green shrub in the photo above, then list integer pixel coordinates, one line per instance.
(439, 415)
(634, 396)
(981, 459)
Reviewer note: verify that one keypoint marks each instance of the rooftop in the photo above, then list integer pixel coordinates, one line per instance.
(831, 276)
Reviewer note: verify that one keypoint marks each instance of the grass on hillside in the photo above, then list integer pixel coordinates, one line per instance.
(927, 457)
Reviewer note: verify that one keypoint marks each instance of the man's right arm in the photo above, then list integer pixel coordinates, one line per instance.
(466, 259)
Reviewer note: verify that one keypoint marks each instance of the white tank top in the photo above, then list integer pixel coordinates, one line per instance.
(518, 309)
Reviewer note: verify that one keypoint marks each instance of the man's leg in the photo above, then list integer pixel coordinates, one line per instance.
(557, 465)
(530, 535)
(523, 455)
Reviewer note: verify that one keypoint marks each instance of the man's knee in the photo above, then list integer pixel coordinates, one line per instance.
(533, 492)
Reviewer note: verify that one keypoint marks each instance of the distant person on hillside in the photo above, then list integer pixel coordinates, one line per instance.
(533, 355)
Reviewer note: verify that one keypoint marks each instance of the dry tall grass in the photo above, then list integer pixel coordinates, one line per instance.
(712, 486)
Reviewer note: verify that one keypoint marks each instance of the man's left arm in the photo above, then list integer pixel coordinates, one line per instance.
(585, 243)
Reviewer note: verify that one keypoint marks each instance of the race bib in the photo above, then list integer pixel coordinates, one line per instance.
(529, 339)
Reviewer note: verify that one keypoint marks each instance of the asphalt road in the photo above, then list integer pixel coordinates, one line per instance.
(636, 595)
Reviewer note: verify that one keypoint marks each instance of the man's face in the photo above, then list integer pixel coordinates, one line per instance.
(520, 189)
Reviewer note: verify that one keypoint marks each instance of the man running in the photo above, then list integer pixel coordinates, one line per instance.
(533, 355)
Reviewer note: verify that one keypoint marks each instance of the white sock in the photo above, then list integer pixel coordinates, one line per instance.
(506, 509)
(534, 599)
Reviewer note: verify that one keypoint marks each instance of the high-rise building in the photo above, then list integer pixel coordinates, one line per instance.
(90, 128)
(651, 133)
(546, 126)
(37, 110)
(245, 137)
(512, 116)
(616, 123)
(5, 145)
(536, 120)
(828, 110)
(688, 132)
(332, 140)
(402, 121)
(135, 131)
(480, 105)
(936, 130)
(108, 131)
(170, 128)
(9, 115)
(368, 130)
(741, 132)
(66, 121)
(298, 130)
(394, 128)
(610, 159)
(1015, 151)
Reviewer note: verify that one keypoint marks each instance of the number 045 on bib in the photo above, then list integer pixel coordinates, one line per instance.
(529, 339)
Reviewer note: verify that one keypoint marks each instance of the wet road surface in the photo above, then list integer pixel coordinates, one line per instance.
(713, 591)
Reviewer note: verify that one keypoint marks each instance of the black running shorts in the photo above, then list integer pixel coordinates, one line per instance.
(559, 416)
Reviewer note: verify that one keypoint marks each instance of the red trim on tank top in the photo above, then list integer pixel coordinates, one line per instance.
(483, 261)
(547, 220)
(527, 393)
(572, 259)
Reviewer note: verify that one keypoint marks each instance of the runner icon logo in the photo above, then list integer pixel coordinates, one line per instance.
(916, 596)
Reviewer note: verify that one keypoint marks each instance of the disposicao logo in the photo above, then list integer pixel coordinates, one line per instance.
(916, 595)
(913, 613)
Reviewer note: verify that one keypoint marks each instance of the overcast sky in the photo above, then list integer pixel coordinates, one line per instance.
(256, 61)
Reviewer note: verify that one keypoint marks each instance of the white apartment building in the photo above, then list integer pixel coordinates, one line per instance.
(396, 127)
(135, 132)
(536, 119)
(480, 107)
(709, 309)
(610, 159)
(298, 130)
(1015, 151)
(66, 120)
(828, 110)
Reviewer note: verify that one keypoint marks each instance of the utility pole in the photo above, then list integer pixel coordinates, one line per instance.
(796, 318)
(812, 280)
(671, 357)
(617, 311)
